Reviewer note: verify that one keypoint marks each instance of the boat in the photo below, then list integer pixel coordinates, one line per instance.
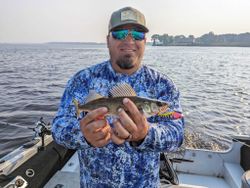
(35, 162)
(43, 163)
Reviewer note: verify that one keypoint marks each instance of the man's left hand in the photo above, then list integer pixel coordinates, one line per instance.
(131, 125)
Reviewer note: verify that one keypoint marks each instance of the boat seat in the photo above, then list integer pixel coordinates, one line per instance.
(233, 173)
(246, 180)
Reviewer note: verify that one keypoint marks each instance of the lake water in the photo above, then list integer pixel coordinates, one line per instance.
(214, 84)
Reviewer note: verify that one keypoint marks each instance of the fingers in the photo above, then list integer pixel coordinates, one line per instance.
(126, 121)
(135, 123)
(99, 137)
(93, 115)
(103, 141)
(133, 110)
(102, 133)
(138, 118)
(120, 131)
(116, 139)
(130, 126)
(119, 134)
(95, 128)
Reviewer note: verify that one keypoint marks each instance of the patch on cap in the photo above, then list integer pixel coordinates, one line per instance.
(128, 15)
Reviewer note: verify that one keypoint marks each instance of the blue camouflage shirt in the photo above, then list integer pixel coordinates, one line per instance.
(119, 165)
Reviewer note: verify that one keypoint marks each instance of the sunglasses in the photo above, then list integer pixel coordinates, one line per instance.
(122, 34)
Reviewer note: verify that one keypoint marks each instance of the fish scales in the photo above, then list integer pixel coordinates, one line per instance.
(116, 95)
(148, 106)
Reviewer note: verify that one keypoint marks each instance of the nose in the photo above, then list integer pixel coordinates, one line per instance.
(129, 38)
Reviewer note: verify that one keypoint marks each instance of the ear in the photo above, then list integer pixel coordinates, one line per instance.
(107, 38)
(145, 41)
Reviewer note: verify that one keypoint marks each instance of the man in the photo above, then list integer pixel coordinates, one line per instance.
(123, 152)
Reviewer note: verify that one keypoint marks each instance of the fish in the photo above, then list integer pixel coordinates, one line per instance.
(114, 101)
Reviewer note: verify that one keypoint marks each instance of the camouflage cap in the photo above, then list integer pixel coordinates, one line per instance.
(127, 15)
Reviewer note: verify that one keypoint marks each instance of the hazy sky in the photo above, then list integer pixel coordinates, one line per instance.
(35, 21)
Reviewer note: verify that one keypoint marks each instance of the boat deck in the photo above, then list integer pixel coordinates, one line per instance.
(71, 179)
(68, 177)
(200, 169)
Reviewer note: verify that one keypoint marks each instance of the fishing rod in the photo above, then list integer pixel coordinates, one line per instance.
(223, 137)
(40, 122)
(41, 129)
(15, 125)
(231, 137)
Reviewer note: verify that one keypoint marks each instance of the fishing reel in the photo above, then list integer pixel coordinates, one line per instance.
(41, 130)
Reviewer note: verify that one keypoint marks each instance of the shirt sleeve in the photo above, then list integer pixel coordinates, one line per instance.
(66, 128)
(165, 134)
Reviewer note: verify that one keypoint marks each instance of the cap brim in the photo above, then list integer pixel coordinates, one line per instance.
(141, 27)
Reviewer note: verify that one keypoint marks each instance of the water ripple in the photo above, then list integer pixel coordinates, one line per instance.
(214, 85)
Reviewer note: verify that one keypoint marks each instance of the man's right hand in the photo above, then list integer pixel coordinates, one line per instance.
(95, 128)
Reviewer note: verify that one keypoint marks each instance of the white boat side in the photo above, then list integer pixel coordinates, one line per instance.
(205, 169)
(16, 158)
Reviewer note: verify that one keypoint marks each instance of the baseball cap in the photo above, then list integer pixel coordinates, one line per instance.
(127, 15)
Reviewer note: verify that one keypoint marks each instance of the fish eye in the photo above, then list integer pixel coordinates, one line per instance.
(159, 103)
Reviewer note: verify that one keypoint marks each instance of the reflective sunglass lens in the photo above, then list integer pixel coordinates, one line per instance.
(120, 35)
(138, 35)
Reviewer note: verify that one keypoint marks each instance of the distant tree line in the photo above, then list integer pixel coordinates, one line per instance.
(209, 39)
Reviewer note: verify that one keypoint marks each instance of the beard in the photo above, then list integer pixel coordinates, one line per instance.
(125, 62)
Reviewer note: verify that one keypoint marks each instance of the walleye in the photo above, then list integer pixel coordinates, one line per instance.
(93, 101)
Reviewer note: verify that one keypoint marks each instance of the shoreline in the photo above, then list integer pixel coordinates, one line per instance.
(148, 44)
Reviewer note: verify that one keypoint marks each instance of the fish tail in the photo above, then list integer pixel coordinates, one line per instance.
(77, 108)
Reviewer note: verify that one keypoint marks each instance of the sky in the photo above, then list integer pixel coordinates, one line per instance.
(39, 21)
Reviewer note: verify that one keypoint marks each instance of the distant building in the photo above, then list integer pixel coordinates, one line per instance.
(182, 40)
(157, 42)
(208, 39)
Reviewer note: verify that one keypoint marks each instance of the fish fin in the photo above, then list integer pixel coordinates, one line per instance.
(77, 108)
(122, 90)
(92, 96)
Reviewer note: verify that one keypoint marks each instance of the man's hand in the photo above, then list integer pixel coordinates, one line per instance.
(132, 125)
(95, 128)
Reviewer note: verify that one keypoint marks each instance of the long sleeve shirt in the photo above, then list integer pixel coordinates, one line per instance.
(119, 165)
